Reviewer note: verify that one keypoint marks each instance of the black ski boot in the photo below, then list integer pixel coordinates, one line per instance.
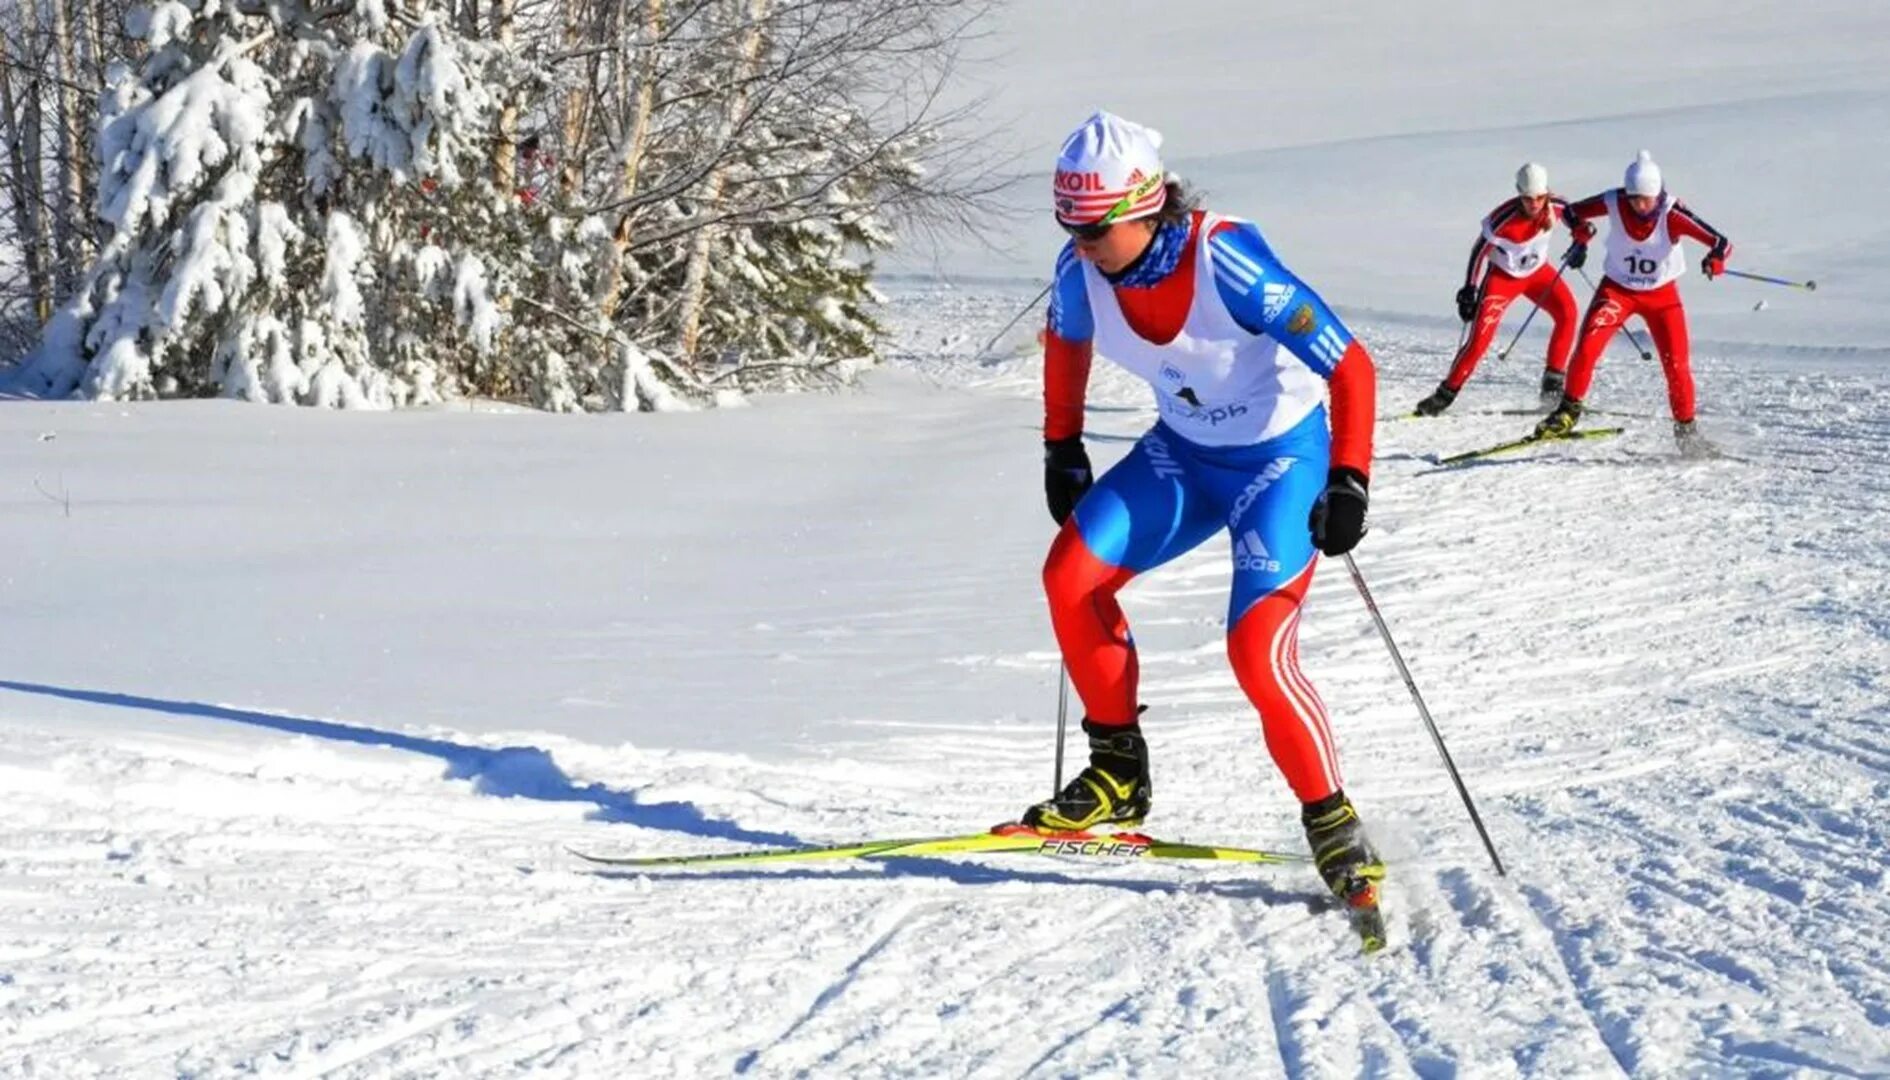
(1347, 863)
(1552, 383)
(1439, 400)
(1112, 791)
(1692, 444)
(1561, 421)
(1344, 857)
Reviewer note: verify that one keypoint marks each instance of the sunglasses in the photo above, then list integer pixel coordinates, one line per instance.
(1093, 231)
(1099, 228)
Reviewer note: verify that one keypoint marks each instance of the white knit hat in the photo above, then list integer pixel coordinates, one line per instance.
(1532, 179)
(1643, 176)
(1109, 164)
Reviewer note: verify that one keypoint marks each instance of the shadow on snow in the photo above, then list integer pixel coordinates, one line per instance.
(896, 867)
(516, 772)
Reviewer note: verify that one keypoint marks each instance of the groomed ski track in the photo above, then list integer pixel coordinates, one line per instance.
(1664, 681)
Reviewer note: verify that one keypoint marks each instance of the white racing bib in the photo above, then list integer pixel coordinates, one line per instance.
(1513, 258)
(1216, 384)
(1647, 264)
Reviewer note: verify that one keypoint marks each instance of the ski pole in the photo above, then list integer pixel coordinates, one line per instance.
(1410, 684)
(1520, 330)
(1021, 312)
(1625, 328)
(1063, 719)
(1810, 286)
(1635, 340)
(1531, 317)
(1463, 335)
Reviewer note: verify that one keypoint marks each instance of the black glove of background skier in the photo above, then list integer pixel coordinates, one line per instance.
(1576, 256)
(1467, 303)
(1066, 475)
(1715, 262)
(1338, 518)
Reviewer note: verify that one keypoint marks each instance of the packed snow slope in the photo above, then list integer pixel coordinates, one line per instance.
(300, 710)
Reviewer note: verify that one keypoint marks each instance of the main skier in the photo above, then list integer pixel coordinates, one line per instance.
(1641, 277)
(1240, 354)
(1513, 248)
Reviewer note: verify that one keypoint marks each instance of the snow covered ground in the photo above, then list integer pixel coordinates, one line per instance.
(300, 710)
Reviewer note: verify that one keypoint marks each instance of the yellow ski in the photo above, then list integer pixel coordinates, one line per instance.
(1528, 441)
(1010, 838)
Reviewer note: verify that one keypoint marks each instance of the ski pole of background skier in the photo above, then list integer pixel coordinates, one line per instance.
(1632, 337)
(1531, 317)
(1021, 312)
(1437, 737)
(1809, 286)
(1464, 334)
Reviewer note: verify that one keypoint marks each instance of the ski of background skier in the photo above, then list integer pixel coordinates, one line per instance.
(1710, 452)
(1524, 443)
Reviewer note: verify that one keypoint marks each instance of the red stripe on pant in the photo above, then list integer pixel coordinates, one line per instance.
(1546, 291)
(1666, 323)
(1263, 647)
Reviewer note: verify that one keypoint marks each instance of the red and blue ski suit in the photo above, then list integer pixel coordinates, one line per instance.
(1241, 355)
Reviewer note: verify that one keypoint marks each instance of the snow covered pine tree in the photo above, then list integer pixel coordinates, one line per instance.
(349, 206)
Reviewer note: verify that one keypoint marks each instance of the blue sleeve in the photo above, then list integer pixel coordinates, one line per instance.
(1265, 298)
(1069, 300)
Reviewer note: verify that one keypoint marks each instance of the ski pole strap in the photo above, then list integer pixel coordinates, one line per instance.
(1809, 286)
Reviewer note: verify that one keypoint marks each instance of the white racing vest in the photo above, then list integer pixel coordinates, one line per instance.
(1244, 387)
(1517, 259)
(1642, 264)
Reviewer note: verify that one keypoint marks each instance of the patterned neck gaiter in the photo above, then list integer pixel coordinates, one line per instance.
(1158, 260)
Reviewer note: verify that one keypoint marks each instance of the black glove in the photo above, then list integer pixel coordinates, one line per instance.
(1467, 303)
(1715, 262)
(1576, 256)
(1338, 518)
(1066, 475)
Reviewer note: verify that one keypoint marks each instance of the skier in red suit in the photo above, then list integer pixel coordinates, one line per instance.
(1641, 277)
(1510, 257)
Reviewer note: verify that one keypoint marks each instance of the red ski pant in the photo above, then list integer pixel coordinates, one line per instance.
(1263, 645)
(1546, 290)
(1666, 321)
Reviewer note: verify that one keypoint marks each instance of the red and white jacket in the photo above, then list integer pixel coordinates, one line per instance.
(1514, 241)
(1643, 250)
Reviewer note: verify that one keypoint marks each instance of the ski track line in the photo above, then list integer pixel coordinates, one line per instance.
(1122, 1008)
(328, 1062)
(1725, 925)
(968, 979)
(1572, 964)
(903, 914)
(1480, 936)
